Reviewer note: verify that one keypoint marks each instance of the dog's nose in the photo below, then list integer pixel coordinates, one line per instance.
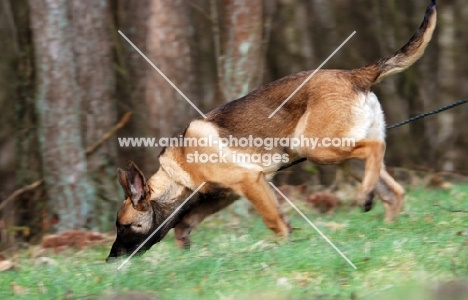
(110, 259)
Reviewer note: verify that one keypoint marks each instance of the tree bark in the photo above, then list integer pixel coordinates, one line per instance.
(95, 77)
(240, 47)
(447, 80)
(168, 47)
(131, 18)
(59, 107)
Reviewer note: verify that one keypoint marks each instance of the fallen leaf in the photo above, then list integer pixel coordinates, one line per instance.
(42, 288)
(335, 226)
(6, 265)
(283, 282)
(260, 245)
(45, 261)
(17, 289)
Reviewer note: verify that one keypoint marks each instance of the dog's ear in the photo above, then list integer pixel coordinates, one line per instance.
(136, 184)
(122, 175)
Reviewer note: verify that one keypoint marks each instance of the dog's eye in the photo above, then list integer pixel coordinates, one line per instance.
(124, 226)
(139, 225)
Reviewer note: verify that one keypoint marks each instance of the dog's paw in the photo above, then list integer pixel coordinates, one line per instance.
(183, 243)
(369, 202)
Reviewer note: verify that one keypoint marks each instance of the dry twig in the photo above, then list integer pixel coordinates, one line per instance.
(90, 150)
(451, 210)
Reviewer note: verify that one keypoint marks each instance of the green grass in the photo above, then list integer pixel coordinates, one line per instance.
(236, 257)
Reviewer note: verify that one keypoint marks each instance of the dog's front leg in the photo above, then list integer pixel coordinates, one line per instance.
(182, 234)
(208, 205)
(256, 189)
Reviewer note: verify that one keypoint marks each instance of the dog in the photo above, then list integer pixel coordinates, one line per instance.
(333, 103)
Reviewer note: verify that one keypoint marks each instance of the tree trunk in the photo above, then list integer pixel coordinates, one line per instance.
(96, 84)
(240, 47)
(462, 85)
(59, 108)
(411, 142)
(168, 47)
(447, 80)
(131, 18)
(27, 154)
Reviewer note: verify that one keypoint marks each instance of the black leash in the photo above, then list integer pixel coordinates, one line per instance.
(441, 109)
(433, 112)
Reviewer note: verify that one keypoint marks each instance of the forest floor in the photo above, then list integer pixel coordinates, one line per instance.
(423, 255)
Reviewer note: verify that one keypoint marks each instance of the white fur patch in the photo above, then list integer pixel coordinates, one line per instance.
(200, 129)
(369, 119)
(250, 166)
(377, 129)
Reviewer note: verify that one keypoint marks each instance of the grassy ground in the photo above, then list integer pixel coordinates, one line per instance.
(238, 258)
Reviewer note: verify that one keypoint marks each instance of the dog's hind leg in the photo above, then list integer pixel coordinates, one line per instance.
(392, 195)
(371, 151)
(355, 168)
(389, 191)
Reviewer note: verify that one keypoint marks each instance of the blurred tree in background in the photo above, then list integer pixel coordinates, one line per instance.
(67, 76)
(59, 108)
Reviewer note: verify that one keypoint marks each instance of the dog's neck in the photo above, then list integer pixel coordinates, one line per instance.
(170, 185)
(163, 189)
(166, 195)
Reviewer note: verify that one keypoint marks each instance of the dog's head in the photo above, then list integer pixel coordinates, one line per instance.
(136, 217)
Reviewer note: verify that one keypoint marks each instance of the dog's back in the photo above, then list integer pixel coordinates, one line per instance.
(243, 116)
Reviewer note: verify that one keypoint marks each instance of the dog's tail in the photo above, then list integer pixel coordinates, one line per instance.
(403, 58)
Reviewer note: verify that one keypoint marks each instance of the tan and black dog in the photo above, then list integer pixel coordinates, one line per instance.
(333, 104)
